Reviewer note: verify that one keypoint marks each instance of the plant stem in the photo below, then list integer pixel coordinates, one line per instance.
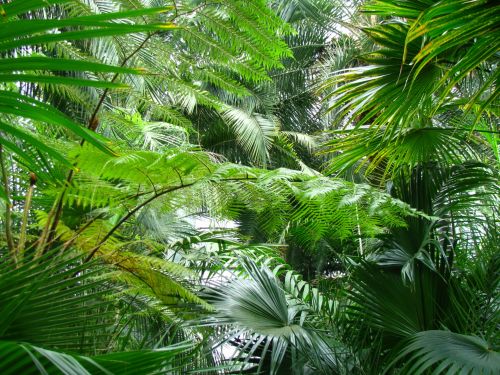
(8, 208)
(55, 214)
(24, 224)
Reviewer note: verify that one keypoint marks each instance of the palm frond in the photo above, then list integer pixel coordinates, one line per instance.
(444, 351)
(264, 316)
(406, 80)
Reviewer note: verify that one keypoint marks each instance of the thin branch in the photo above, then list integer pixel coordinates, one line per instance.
(129, 215)
(93, 118)
(92, 124)
(146, 202)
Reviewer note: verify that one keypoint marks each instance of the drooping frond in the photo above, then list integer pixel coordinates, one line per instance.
(425, 51)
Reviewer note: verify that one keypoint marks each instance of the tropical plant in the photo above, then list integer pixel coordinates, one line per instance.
(163, 207)
(416, 115)
(69, 309)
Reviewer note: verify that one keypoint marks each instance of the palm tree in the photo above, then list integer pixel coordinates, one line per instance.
(416, 118)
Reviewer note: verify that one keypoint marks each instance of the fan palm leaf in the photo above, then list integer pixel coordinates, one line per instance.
(55, 307)
(263, 315)
(447, 352)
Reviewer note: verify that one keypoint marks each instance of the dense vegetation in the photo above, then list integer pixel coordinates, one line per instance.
(261, 186)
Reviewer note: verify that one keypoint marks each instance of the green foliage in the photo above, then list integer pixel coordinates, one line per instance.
(29, 33)
(430, 52)
(163, 207)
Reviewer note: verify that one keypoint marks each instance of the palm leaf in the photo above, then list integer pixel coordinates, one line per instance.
(446, 352)
(44, 305)
(407, 79)
(31, 359)
(253, 131)
(268, 321)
